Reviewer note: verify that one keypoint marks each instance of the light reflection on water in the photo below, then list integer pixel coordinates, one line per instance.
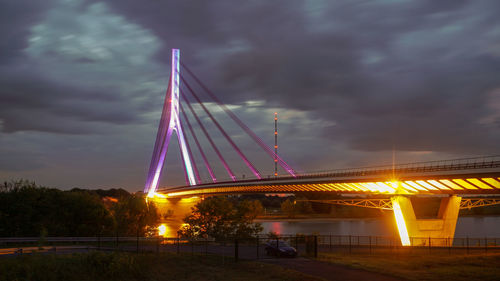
(467, 226)
(478, 227)
(376, 227)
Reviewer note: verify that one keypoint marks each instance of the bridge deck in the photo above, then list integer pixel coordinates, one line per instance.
(486, 181)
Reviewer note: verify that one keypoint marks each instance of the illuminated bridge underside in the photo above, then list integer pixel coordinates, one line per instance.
(486, 183)
(386, 204)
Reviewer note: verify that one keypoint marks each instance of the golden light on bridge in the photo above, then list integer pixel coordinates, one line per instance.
(156, 195)
(399, 191)
(424, 186)
(401, 224)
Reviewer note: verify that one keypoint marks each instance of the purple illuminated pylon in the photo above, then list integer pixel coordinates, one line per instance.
(171, 122)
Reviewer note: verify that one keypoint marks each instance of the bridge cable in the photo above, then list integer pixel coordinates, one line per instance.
(228, 138)
(242, 125)
(188, 148)
(160, 138)
(205, 160)
(224, 163)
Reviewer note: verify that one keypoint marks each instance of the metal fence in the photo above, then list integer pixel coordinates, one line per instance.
(252, 248)
(421, 245)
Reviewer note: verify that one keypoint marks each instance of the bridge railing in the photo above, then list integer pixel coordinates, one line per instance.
(462, 164)
(485, 162)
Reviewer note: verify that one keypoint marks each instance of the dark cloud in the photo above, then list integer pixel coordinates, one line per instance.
(190, 25)
(426, 93)
(354, 77)
(16, 19)
(30, 103)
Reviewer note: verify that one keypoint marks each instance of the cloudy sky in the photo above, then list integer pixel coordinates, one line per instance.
(82, 83)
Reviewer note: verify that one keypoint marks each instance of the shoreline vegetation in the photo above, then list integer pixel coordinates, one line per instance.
(30, 210)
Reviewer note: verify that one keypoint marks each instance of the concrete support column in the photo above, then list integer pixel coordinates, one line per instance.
(416, 232)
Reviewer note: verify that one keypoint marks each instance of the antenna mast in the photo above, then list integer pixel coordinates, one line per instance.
(276, 144)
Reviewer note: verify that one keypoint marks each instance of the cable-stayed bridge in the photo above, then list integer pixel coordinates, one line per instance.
(386, 187)
(473, 176)
(171, 122)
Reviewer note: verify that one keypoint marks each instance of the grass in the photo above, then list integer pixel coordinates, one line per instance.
(424, 267)
(125, 266)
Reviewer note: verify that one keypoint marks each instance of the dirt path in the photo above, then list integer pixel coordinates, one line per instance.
(330, 271)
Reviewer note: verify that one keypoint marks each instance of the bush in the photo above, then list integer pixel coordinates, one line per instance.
(219, 218)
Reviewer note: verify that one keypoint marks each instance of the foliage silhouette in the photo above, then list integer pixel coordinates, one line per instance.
(219, 218)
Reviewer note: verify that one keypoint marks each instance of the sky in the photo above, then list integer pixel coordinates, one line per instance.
(354, 82)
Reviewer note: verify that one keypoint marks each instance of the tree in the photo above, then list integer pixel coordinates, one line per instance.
(83, 213)
(251, 209)
(303, 206)
(293, 207)
(26, 209)
(134, 216)
(219, 218)
(288, 208)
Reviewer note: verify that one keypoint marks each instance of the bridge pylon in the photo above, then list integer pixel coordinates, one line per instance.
(170, 122)
(420, 232)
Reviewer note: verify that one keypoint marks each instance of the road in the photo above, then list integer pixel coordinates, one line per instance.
(329, 271)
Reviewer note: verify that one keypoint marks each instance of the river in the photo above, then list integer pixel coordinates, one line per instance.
(474, 227)
(484, 226)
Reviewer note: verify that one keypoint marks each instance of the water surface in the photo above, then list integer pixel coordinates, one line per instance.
(488, 226)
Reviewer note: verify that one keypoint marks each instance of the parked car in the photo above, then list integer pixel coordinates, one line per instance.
(280, 249)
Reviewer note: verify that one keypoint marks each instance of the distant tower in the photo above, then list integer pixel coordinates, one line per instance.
(276, 144)
(169, 123)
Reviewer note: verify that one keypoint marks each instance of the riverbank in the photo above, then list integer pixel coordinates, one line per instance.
(97, 266)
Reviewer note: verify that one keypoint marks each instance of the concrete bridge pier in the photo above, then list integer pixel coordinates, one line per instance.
(420, 232)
